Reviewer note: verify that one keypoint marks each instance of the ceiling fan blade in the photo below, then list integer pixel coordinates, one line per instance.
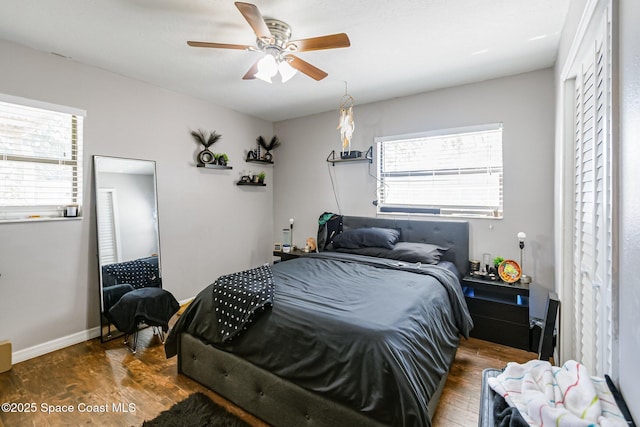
(318, 43)
(306, 68)
(251, 74)
(255, 19)
(220, 45)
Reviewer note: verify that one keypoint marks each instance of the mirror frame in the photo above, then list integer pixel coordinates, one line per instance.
(107, 330)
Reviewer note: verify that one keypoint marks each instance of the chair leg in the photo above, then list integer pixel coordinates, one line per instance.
(132, 348)
(157, 330)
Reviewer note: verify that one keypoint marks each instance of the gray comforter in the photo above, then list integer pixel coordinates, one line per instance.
(374, 334)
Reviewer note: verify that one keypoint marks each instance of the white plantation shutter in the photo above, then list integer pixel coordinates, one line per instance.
(593, 228)
(108, 235)
(40, 158)
(454, 171)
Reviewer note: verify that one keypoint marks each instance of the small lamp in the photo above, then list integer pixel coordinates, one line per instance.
(291, 229)
(523, 278)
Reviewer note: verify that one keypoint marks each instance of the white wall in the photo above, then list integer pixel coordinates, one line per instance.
(629, 175)
(524, 103)
(208, 225)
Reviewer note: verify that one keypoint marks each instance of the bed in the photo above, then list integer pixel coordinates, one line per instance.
(349, 339)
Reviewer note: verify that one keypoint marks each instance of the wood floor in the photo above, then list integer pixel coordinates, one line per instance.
(124, 389)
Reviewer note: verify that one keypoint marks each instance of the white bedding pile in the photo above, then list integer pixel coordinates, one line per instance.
(564, 396)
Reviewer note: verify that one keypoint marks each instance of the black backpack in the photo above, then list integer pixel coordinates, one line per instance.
(329, 226)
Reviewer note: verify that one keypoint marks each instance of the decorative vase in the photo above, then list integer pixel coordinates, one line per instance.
(206, 157)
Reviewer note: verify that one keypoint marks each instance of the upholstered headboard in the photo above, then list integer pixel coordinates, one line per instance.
(450, 234)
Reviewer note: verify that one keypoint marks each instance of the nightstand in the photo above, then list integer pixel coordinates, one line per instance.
(286, 256)
(500, 311)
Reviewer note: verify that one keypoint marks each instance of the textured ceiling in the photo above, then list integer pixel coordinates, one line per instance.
(397, 48)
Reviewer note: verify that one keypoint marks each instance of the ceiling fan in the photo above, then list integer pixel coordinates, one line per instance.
(273, 38)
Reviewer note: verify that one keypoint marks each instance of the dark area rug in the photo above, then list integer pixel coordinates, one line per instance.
(196, 410)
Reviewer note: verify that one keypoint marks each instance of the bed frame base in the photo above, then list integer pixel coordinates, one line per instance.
(261, 393)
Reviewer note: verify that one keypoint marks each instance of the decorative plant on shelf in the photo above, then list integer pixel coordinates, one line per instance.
(497, 261)
(268, 146)
(261, 177)
(207, 140)
(222, 159)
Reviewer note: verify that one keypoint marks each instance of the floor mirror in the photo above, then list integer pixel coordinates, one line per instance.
(127, 229)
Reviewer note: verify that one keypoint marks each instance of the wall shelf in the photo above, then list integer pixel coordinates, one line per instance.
(368, 157)
(268, 162)
(254, 184)
(210, 166)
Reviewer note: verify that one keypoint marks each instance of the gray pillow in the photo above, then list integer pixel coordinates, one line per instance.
(424, 253)
(366, 237)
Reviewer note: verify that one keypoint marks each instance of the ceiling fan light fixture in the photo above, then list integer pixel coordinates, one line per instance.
(273, 37)
(267, 68)
(286, 71)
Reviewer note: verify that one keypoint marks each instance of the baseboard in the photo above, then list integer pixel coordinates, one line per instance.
(53, 345)
(62, 342)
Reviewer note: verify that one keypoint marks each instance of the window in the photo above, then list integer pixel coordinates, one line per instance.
(448, 172)
(40, 158)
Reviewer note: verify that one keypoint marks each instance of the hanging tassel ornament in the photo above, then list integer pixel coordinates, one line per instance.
(346, 125)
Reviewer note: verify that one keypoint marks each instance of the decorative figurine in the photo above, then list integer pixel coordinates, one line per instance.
(311, 243)
(268, 146)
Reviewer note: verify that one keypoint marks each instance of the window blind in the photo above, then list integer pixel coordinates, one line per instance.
(452, 172)
(40, 158)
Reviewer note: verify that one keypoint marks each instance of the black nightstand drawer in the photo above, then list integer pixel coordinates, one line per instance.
(501, 332)
(497, 310)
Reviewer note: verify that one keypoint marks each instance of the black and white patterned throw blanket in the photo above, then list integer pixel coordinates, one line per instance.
(238, 297)
(139, 273)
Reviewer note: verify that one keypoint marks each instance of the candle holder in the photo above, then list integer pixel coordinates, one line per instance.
(286, 240)
(486, 263)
